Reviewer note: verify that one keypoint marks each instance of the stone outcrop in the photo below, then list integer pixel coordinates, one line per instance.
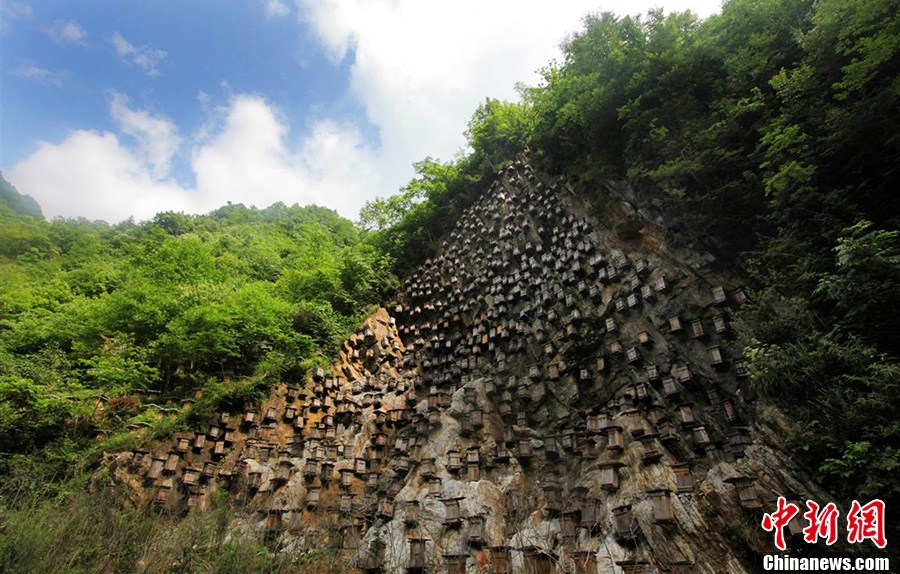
(555, 391)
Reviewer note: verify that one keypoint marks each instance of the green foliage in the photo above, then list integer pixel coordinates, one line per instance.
(94, 532)
(16, 202)
(500, 130)
(864, 286)
(830, 357)
(410, 228)
(764, 134)
(164, 323)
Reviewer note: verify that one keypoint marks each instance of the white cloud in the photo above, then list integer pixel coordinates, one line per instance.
(145, 57)
(420, 69)
(276, 8)
(70, 32)
(247, 157)
(94, 175)
(31, 71)
(9, 11)
(157, 137)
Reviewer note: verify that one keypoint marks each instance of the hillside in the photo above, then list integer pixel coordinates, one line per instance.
(655, 293)
(106, 328)
(554, 390)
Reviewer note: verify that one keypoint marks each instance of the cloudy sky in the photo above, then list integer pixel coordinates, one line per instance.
(111, 109)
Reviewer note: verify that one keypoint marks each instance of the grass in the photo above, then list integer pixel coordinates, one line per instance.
(97, 532)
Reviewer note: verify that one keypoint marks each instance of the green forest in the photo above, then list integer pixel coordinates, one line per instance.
(106, 329)
(765, 135)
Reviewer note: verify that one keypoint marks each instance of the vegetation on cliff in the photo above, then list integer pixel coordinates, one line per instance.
(104, 328)
(766, 135)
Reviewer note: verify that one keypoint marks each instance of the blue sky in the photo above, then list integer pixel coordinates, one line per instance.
(113, 109)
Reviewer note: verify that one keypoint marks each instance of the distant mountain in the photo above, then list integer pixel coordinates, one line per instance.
(24, 204)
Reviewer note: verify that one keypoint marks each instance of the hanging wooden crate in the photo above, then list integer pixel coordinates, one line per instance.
(651, 452)
(451, 512)
(156, 468)
(552, 499)
(632, 355)
(312, 497)
(590, 514)
(609, 476)
(475, 534)
(454, 461)
(500, 562)
(171, 462)
(385, 509)
(254, 479)
(686, 414)
(715, 356)
(624, 525)
(214, 432)
(456, 563)
(661, 504)
(523, 449)
(209, 470)
(538, 561)
(746, 492)
(283, 471)
(614, 438)
(611, 325)
(670, 387)
(684, 480)
(701, 437)
(683, 373)
(411, 512)
(138, 457)
(522, 419)
(697, 330)
(718, 294)
(199, 441)
(416, 554)
(163, 497)
(350, 536)
(675, 325)
(190, 476)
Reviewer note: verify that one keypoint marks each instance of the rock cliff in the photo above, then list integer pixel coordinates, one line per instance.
(557, 390)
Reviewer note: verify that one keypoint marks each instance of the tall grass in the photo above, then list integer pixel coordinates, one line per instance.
(94, 532)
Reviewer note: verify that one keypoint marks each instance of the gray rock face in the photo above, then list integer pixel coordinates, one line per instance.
(553, 392)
